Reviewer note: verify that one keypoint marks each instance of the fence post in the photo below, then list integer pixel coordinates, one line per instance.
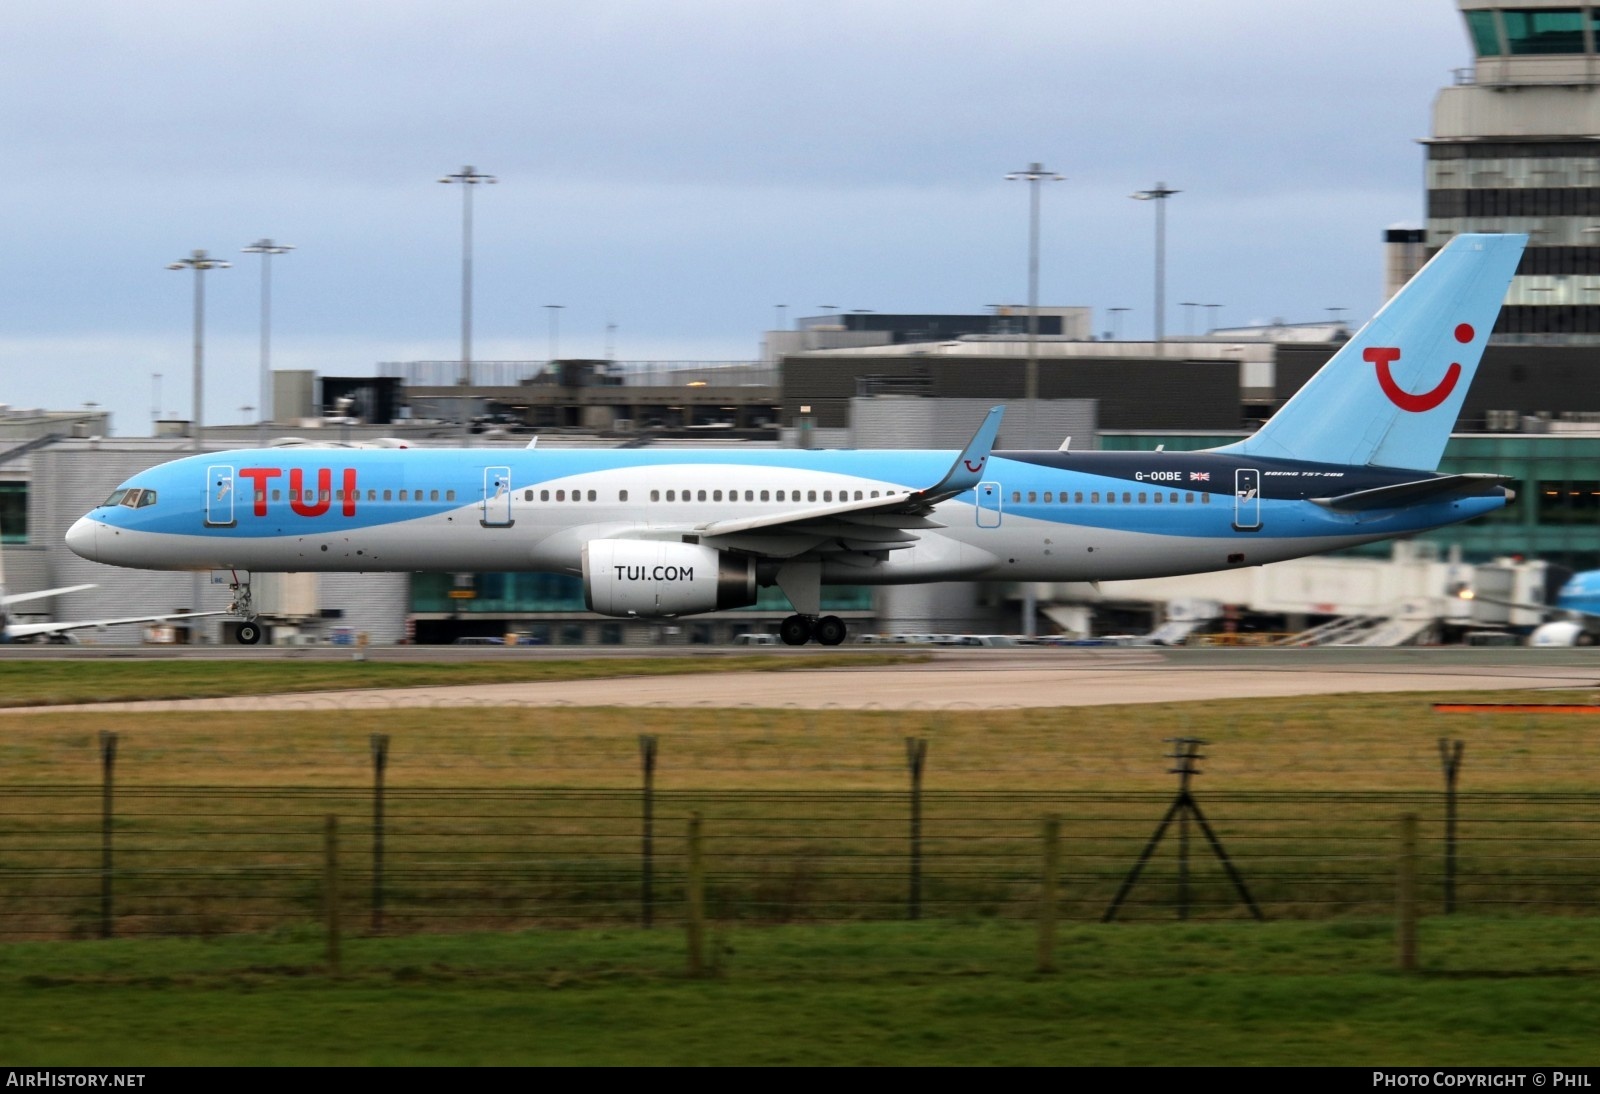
(697, 899)
(1047, 892)
(108, 758)
(916, 757)
(330, 889)
(647, 864)
(380, 761)
(1406, 895)
(1450, 756)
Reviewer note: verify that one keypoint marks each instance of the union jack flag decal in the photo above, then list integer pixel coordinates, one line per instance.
(1199, 476)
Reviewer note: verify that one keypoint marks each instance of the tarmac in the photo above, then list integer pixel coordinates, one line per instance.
(988, 679)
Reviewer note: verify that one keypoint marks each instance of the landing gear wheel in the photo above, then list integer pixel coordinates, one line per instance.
(830, 630)
(795, 631)
(249, 633)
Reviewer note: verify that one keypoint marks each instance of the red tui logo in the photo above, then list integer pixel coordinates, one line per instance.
(1384, 356)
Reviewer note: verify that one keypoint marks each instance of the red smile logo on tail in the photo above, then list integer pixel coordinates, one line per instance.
(1383, 356)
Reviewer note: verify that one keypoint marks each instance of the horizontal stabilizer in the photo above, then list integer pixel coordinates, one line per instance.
(1411, 493)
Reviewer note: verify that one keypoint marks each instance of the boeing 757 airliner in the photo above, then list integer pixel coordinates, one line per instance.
(1352, 458)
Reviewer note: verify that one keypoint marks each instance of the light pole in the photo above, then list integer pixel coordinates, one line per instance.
(1116, 322)
(555, 329)
(1034, 174)
(782, 311)
(1211, 323)
(467, 177)
(199, 262)
(1188, 317)
(1159, 194)
(1334, 312)
(266, 248)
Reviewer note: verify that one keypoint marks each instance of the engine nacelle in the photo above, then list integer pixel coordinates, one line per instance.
(653, 579)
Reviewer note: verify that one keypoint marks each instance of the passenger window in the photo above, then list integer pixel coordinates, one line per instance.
(655, 495)
(402, 495)
(1033, 497)
(764, 495)
(323, 497)
(387, 495)
(702, 496)
(544, 495)
(527, 495)
(1094, 497)
(1173, 497)
(716, 495)
(811, 495)
(827, 495)
(433, 495)
(561, 495)
(1188, 498)
(577, 495)
(1127, 499)
(622, 495)
(1047, 498)
(372, 495)
(1141, 497)
(1077, 498)
(276, 498)
(1111, 498)
(750, 495)
(449, 495)
(874, 493)
(1016, 495)
(672, 495)
(1205, 499)
(261, 497)
(1157, 497)
(780, 495)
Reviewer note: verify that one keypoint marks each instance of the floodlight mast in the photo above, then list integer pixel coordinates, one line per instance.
(1159, 194)
(467, 177)
(266, 248)
(199, 262)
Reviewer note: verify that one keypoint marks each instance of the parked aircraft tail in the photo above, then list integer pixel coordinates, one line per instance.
(1391, 395)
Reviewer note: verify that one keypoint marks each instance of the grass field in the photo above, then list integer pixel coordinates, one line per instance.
(1492, 993)
(958, 989)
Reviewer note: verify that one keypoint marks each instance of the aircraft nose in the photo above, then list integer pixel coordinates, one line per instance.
(81, 539)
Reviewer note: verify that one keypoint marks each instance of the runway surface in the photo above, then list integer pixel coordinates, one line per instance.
(990, 679)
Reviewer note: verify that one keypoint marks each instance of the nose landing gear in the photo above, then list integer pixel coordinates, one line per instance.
(248, 632)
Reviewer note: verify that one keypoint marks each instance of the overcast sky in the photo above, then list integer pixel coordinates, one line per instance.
(677, 168)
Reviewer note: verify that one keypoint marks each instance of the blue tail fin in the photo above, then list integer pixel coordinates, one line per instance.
(1391, 395)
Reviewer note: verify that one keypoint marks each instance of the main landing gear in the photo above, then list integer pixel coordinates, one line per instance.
(797, 630)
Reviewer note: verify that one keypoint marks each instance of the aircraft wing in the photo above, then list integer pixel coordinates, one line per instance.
(15, 631)
(18, 598)
(871, 525)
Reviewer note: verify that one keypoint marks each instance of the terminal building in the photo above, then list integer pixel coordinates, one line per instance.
(1514, 146)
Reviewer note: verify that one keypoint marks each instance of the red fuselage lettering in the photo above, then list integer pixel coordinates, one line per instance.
(320, 499)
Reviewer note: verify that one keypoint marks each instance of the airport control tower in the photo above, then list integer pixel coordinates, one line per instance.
(1516, 148)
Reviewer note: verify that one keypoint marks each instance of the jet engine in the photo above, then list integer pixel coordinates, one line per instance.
(655, 579)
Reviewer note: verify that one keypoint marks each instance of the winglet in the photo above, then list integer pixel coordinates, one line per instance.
(968, 469)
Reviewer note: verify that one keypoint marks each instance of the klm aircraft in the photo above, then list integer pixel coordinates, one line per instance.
(1350, 459)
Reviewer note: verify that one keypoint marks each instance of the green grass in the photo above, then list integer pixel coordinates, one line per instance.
(52, 682)
(1491, 993)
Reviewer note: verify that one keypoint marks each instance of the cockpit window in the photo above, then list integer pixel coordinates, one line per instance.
(115, 498)
(131, 498)
(147, 498)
